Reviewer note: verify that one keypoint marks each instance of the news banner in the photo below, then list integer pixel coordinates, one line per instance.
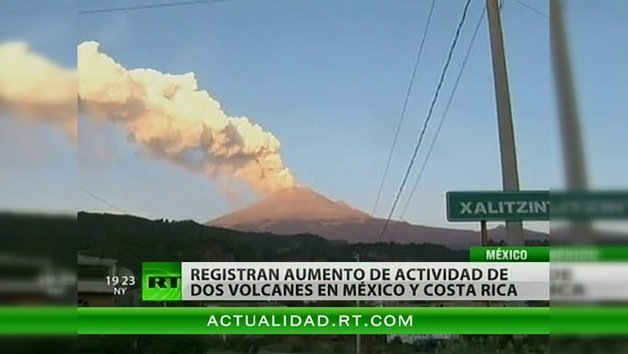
(500, 290)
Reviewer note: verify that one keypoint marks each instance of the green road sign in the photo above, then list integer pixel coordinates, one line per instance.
(589, 206)
(498, 206)
(535, 205)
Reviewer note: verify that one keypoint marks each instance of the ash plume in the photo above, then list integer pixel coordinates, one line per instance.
(33, 87)
(173, 119)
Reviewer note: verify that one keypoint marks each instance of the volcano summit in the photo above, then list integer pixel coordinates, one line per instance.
(293, 203)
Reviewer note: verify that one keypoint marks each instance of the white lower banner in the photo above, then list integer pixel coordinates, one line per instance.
(589, 281)
(365, 281)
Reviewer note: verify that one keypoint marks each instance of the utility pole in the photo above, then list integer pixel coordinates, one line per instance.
(573, 156)
(568, 117)
(358, 342)
(510, 174)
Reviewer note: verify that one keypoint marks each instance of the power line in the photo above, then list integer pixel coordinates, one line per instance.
(532, 8)
(445, 111)
(147, 6)
(405, 105)
(428, 117)
(102, 200)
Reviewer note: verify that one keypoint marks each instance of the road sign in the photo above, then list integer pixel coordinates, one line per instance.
(498, 206)
(590, 206)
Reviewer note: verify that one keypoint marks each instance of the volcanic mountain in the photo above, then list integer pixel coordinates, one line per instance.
(294, 203)
(299, 210)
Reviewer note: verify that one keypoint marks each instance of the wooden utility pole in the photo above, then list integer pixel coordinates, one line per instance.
(510, 174)
(484, 233)
(575, 169)
(358, 340)
(568, 117)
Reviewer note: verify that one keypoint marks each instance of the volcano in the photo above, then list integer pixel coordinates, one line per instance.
(294, 203)
(299, 210)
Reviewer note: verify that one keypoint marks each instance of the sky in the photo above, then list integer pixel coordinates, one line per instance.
(328, 80)
(38, 165)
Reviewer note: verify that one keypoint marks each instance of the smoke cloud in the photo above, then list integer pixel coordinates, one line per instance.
(173, 119)
(33, 87)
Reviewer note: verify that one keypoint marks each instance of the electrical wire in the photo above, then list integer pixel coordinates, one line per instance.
(427, 118)
(445, 111)
(147, 6)
(404, 107)
(102, 200)
(532, 8)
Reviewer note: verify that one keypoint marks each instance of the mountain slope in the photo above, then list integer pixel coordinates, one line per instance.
(300, 210)
(295, 203)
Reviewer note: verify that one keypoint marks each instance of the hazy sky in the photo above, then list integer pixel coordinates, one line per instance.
(328, 79)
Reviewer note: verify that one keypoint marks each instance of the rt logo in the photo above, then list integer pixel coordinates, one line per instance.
(163, 282)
